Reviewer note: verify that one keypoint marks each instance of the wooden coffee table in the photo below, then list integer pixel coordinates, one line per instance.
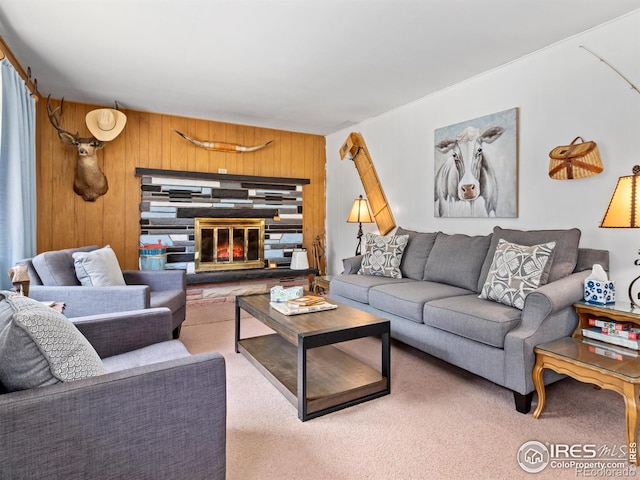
(304, 364)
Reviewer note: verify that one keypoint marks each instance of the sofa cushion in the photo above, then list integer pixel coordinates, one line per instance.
(472, 317)
(56, 268)
(356, 287)
(98, 268)
(457, 260)
(39, 346)
(565, 253)
(407, 299)
(415, 255)
(383, 255)
(516, 271)
(155, 353)
(174, 300)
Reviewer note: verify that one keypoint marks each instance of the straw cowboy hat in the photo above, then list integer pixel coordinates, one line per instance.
(105, 123)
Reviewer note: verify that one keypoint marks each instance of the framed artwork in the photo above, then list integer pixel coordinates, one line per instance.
(476, 167)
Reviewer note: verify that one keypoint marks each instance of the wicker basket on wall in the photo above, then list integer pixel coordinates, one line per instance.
(576, 160)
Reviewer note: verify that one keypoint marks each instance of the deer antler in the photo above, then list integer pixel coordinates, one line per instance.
(55, 114)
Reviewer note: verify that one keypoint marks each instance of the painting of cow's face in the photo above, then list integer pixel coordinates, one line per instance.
(476, 177)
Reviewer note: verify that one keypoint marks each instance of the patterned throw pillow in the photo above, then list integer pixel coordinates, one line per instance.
(39, 346)
(383, 255)
(516, 271)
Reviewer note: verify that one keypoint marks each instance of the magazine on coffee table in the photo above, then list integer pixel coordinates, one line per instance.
(291, 309)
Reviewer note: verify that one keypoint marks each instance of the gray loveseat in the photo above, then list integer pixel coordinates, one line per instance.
(158, 413)
(435, 306)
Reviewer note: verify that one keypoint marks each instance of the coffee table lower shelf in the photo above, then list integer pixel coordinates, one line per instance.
(334, 379)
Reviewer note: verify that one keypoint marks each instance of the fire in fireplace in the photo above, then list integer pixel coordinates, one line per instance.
(228, 243)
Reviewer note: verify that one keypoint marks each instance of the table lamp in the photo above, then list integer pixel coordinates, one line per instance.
(360, 213)
(624, 211)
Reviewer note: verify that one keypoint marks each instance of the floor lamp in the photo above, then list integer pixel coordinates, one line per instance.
(360, 213)
(624, 211)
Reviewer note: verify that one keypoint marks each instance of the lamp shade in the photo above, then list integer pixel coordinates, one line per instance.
(623, 210)
(299, 260)
(360, 211)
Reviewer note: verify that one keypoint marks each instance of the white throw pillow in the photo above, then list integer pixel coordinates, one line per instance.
(98, 268)
(383, 255)
(516, 271)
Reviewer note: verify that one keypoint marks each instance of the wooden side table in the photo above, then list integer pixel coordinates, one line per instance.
(599, 363)
(321, 284)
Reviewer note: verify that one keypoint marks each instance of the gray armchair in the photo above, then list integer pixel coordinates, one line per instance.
(53, 277)
(160, 412)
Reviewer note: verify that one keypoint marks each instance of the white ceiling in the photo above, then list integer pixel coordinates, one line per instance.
(312, 66)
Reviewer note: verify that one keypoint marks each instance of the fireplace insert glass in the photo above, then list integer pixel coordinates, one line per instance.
(228, 243)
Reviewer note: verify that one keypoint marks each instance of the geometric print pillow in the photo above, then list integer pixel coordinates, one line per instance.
(515, 272)
(39, 346)
(383, 255)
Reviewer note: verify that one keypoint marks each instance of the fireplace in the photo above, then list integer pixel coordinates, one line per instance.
(228, 243)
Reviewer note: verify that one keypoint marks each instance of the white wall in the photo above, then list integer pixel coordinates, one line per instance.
(560, 92)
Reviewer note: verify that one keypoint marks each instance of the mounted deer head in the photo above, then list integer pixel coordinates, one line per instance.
(89, 182)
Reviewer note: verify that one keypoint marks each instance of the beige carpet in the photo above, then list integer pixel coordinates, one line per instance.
(438, 422)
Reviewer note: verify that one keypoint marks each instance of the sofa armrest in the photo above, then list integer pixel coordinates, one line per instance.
(130, 424)
(552, 298)
(80, 301)
(548, 314)
(158, 280)
(352, 264)
(115, 333)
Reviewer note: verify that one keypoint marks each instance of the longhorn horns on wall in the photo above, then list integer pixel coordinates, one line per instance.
(222, 146)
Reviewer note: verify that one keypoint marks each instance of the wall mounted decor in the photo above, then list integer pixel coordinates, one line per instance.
(222, 146)
(633, 87)
(576, 160)
(476, 167)
(89, 181)
(355, 149)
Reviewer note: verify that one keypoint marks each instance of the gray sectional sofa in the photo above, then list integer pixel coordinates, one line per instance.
(435, 306)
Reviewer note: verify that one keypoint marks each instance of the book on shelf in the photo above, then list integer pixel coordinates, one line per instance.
(293, 309)
(630, 334)
(596, 333)
(609, 324)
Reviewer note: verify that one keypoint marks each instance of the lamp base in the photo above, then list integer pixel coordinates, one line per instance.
(359, 237)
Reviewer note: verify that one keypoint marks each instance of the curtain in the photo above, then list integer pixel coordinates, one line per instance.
(17, 171)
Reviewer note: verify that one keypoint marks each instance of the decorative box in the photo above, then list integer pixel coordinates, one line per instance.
(599, 292)
(281, 294)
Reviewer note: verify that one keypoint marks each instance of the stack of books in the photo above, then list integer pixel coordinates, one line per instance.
(616, 333)
(306, 304)
(306, 301)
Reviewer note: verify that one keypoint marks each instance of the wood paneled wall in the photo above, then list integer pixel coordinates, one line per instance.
(65, 220)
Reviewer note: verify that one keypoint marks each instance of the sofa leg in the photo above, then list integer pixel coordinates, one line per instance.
(523, 402)
(176, 332)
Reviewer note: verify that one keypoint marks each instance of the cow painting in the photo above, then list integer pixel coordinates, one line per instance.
(468, 182)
